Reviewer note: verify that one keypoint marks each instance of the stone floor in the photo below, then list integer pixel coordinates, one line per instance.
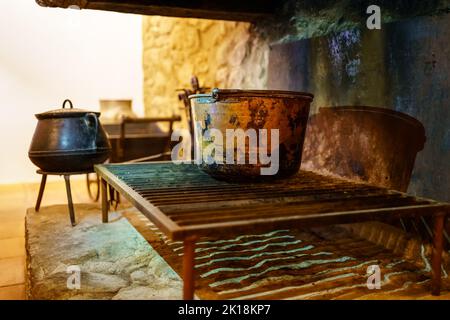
(114, 260)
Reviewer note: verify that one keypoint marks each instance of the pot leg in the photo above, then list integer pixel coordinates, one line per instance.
(41, 192)
(69, 199)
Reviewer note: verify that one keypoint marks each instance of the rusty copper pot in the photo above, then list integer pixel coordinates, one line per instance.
(250, 109)
(68, 140)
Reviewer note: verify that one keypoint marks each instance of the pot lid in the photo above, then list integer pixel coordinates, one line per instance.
(64, 112)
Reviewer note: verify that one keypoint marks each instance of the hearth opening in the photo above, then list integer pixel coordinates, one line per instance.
(214, 150)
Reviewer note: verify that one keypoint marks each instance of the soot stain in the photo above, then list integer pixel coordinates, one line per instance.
(258, 115)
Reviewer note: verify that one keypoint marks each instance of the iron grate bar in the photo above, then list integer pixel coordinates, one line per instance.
(195, 202)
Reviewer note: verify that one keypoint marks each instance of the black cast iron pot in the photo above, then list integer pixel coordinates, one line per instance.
(68, 140)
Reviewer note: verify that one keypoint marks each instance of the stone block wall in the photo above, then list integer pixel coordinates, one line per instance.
(218, 52)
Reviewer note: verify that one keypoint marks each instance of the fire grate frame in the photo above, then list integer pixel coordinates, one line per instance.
(185, 203)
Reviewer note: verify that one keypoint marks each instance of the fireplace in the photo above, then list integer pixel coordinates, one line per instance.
(368, 191)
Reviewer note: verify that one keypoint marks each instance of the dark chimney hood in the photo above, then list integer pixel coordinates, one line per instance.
(236, 10)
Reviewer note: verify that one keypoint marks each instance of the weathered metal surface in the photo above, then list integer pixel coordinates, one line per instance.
(439, 224)
(249, 10)
(67, 140)
(369, 144)
(188, 268)
(404, 67)
(317, 263)
(183, 95)
(183, 202)
(225, 110)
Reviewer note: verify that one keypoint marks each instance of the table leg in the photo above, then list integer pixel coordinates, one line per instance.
(105, 205)
(41, 192)
(69, 199)
(437, 253)
(188, 268)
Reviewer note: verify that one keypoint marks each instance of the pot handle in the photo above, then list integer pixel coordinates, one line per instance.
(93, 119)
(67, 101)
(215, 94)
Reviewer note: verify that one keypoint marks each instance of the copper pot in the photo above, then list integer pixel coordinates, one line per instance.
(251, 109)
(68, 140)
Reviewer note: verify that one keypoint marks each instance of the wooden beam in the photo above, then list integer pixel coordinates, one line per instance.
(236, 10)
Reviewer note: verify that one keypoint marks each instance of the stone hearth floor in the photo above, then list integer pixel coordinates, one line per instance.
(116, 262)
(14, 201)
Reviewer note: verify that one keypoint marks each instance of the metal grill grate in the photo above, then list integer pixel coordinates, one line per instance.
(182, 200)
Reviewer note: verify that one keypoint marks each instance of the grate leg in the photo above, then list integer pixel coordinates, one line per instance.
(105, 204)
(188, 268)
(437, 253)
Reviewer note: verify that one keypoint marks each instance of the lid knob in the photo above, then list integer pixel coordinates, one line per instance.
(67, 101)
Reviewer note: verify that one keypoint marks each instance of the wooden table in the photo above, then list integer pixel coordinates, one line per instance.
(186, 203)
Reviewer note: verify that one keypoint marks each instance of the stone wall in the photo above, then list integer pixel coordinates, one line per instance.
(217, 52)
(404, 67)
